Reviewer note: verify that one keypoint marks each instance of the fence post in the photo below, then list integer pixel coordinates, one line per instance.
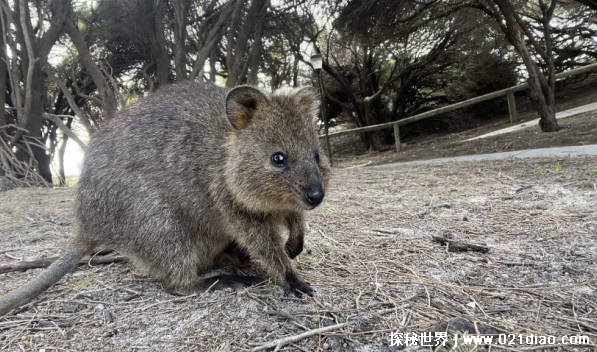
(397, 137)
(512, 107)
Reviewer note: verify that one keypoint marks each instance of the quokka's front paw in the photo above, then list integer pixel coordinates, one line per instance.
(293, 249)
(297, 286)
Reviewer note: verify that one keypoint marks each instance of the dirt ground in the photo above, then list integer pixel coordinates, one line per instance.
(370, 257)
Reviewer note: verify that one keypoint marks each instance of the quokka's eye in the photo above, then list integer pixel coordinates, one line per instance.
(279, 159)
(317, 160)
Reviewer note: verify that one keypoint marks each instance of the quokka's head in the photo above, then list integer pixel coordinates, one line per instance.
(274, 160)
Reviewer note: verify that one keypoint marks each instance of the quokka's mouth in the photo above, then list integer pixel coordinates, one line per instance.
(308, 206)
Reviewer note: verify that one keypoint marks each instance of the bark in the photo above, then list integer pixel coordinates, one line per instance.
(158, 42)
(295, 71)
(233, 29)
(34, 123)
(61, 151)
(3, 75)
(6, 20)
(181, 9)
(30, 71)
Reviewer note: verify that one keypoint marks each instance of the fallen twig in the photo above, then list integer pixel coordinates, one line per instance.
(279, 343)
(459, 246)
(46, 262)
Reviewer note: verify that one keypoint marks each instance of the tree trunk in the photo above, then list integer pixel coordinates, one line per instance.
(241, 54)
(61, 151)
(541, 89)
(295, 71)
(234, 33)
(255, 55)
(34, 123)
(542, 95)
(158, 43)
(33, 126)
(3, 90)
(207, 49)
(181, 9)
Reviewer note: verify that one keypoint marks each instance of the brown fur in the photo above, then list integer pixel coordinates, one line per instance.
(177, 177)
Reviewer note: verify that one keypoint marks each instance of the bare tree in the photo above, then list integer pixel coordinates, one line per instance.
(36, 46)
(215, 25)
(514, 23)
(244, 41)
(107, 99)
(374, 64)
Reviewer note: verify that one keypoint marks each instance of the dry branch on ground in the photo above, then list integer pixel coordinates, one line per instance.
(25, 265)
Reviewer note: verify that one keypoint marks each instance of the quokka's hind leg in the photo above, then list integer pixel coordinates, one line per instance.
(233, 255)
(162, 248)
(237, 257)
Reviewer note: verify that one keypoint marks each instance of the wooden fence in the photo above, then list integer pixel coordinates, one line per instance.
(508, 92)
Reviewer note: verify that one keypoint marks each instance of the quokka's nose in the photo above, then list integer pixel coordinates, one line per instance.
(314, 195)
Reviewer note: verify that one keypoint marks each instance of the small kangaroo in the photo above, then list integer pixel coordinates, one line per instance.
(193, 172)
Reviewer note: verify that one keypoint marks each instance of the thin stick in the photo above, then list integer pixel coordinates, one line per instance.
(279, 343)
(459, 246)
(46, 262)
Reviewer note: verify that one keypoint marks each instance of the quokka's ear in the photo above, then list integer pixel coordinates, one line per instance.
(306, 97)
(241, 104)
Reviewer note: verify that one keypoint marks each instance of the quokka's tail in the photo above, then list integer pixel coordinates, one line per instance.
(43, 281)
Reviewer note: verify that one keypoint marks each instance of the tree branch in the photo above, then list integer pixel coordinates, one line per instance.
(46, 262)
(71, 101)
(57, 120)
(279, 343)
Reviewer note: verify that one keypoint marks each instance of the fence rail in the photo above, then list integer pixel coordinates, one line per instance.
(508, 92)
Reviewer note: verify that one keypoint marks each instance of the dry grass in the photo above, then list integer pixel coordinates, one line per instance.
(14, 172)
(369, 256)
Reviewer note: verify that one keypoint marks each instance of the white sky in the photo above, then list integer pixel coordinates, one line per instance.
(73, 155)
